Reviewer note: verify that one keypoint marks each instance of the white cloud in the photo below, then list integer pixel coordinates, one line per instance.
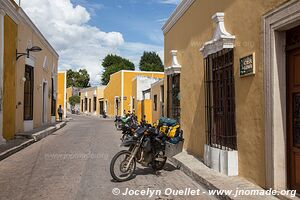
(176, 2)
(79, 44)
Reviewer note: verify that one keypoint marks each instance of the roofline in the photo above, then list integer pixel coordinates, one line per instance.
(138, 72)
(37, 31)
(161, 81)
(93, 88)
(182, 7)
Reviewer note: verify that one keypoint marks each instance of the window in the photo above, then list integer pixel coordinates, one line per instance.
(95, 103)
(82, 105)
(220, 100)
(173, 96)
(28, 93)
(90, 105)
(155, 102)
(85, 104)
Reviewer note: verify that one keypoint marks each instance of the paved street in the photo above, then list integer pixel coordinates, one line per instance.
(73, 163)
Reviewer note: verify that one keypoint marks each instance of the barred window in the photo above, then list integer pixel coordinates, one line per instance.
(220, 100)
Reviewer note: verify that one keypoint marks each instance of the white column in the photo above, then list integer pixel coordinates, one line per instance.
(2, 13)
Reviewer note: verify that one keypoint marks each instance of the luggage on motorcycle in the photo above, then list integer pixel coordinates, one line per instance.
(167, 121)
(174, 131)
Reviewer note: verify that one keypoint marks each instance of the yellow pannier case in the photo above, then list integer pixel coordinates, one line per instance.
(173, 130)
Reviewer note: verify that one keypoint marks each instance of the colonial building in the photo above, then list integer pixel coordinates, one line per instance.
(232, 78)
(92, 100)
(119, 91)
(72, 91)
(28, 69)
(141, 102)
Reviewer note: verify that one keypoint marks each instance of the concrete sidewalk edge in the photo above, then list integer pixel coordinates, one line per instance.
(213, 180)
(35, 137)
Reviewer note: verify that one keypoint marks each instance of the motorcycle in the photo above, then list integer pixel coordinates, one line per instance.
(146, 147)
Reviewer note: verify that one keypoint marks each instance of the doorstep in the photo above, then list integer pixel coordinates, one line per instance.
(214, 180)
(23, 140)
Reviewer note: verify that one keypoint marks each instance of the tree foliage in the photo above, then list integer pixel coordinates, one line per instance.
(112, 64)
(79, 78)
(73, 100)
(150, 61)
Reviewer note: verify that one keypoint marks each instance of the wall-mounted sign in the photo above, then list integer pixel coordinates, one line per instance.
(247, 65)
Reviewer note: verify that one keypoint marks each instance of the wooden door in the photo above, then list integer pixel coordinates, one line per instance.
(293, 118)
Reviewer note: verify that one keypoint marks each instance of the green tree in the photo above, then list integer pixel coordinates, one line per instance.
(113, 64)
(150, 61)
(79, 78)
(73, 100)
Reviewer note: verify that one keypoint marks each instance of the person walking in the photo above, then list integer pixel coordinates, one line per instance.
(60, 112)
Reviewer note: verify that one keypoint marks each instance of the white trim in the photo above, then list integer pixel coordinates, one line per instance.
(175, 68)
(182, 7)
(122, 92)
(2, 13)
(45, 102)
(30, 61)
(11, 10)
(221, 38)
(144, 72)
(274, 24)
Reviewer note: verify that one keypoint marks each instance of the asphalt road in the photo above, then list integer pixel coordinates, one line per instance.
(73, 163)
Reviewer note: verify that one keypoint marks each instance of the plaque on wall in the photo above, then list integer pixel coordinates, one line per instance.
(247, 65)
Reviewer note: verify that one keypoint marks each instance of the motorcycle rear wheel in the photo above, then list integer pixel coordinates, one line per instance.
(123, 174)
(159, 165)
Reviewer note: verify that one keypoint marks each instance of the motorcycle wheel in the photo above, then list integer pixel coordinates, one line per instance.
(118, 165)
(119, 126)
(159, 165)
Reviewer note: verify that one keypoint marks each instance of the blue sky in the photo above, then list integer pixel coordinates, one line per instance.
(83, 32)
(137, 20)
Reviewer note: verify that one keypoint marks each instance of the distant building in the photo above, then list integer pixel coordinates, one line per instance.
(92, 100)
(119, 91)
(157, 99)
(72, 91)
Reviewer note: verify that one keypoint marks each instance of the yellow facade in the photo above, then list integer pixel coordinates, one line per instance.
(61, 92)
(90, 100)
(187, 35)
(157, 93)
(119, 93)
(20, 34)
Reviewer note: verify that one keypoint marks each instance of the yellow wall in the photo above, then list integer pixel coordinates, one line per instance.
(156, 90)
(9, 85)
(147, 108)
(187, 36)
(61, 92)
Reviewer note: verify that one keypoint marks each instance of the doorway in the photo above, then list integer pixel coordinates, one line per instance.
(45, 102)
(101, 107)
(293, 107)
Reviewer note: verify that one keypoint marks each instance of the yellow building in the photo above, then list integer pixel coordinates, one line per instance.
(72, 91)
(92, 100)
(61, 93)
(157, 100)
(119, 91)
(141, 101)
(226, 68)
(27, 82)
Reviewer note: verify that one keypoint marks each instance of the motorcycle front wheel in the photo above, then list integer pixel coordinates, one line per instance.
(118, 166)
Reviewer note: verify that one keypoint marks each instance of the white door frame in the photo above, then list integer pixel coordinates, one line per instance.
(275, 23)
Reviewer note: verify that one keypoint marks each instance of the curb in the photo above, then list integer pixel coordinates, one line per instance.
(15, 149)
(35, 137)
(196, 177)
(212, 180)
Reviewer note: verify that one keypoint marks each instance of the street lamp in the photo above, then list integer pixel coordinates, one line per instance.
(32, 49)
